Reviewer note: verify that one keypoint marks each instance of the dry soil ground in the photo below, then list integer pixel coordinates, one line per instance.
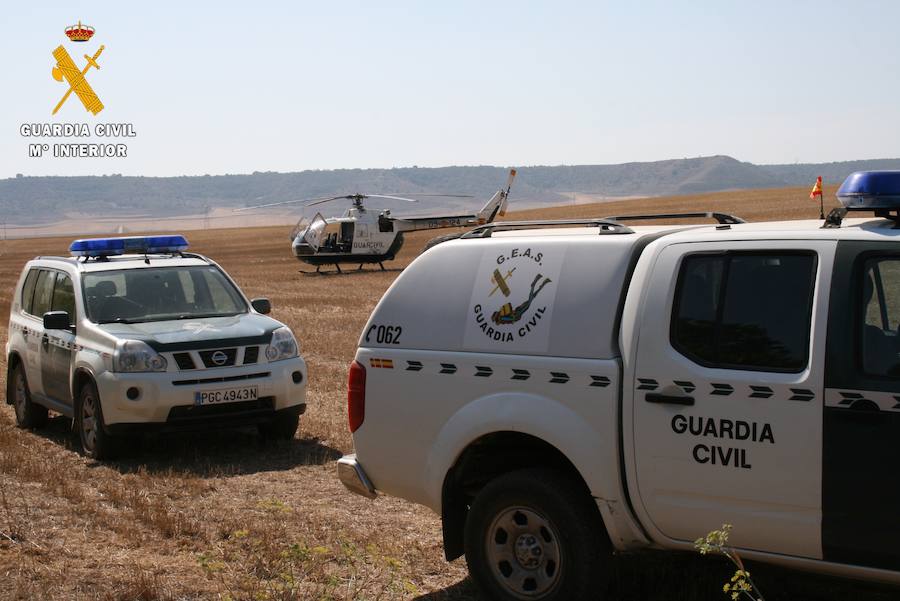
(222, 516)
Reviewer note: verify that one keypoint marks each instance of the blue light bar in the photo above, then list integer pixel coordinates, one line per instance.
(130, 245)
(871, 190)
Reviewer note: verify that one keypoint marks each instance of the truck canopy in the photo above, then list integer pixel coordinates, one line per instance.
(539, 292)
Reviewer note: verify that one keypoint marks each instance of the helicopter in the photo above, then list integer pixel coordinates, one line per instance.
(367, 236)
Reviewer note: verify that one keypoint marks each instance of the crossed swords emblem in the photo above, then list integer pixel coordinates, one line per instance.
(66, 69)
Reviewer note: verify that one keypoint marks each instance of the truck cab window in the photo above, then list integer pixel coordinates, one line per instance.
(745, 310)
(881, 314)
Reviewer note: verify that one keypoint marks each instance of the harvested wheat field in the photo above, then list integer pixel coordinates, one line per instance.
(222, 516)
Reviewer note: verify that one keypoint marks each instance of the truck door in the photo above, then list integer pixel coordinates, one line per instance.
(861, 493)
(728, 395)
(57, 345)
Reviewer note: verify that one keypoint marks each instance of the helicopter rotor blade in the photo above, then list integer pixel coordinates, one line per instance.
(318, 201)
(286, 202)
(390, 197)
(417, 194)
(309, 202)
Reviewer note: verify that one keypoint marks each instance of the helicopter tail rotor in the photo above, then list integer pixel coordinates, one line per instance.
(509, 182)
(498, 202)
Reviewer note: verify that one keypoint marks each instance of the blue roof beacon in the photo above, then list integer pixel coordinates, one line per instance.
(870, 191)
(876, 191)
(129, 245)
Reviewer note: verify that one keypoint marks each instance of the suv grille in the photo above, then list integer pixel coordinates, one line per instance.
(251, 354)
(218, 357)
(184, 361)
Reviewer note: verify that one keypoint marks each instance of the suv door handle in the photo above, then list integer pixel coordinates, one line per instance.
(671, 399)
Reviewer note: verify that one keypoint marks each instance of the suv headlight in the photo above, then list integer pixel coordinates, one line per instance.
(283, 345)
(137, 356)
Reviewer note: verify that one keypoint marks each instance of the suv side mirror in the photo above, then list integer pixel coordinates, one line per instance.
(57, 320)
(261, 305)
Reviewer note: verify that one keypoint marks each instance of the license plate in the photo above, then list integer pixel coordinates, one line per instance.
(229, 395)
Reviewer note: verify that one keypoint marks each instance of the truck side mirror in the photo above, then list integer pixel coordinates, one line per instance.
(261, 305)
(57, 320)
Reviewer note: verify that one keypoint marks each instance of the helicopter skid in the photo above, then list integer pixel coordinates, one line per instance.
(323, 259)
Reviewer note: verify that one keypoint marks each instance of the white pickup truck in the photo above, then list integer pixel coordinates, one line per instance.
(557, 391)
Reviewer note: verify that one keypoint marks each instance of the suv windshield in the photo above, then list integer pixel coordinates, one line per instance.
(159, 294)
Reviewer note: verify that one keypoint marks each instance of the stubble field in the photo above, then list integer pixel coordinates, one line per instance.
(223, 516)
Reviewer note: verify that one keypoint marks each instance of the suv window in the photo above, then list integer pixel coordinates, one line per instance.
(64, 296)
(881, 314)
(28, 290)
(745, 310)
(160, 294)
(43, 292)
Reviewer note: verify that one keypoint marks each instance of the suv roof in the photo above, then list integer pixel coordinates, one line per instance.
(128, 261)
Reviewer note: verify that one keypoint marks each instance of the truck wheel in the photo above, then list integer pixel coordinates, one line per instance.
(95, 441)
(534, 534)
(282, 426)
(28, 413)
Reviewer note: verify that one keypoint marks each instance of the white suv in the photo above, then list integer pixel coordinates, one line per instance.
(133, 334)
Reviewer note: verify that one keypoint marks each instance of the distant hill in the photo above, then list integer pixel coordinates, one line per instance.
(25, 200)
(803, 173)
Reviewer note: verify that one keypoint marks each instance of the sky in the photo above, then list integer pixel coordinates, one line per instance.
(236, 87)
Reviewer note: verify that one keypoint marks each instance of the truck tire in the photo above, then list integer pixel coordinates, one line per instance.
(28, 413)
(439, 239)
(282, 426)
(96, 443)
(535, 534)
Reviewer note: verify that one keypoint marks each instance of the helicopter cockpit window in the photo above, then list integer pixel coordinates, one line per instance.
(300, 228)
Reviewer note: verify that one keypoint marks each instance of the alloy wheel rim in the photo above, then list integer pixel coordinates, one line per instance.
(524, 552)
(88, 422)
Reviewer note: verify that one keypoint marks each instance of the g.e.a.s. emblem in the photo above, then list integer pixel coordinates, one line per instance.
(512, 299)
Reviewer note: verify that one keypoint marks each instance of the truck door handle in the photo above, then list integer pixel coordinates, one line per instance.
(45, 342)
(671, 399)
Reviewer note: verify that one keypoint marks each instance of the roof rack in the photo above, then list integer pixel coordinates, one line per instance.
(605, 226)
(723, 218)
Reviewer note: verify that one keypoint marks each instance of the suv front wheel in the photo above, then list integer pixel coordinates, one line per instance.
(282, 426)
(95, 441)
(535, 534)
(28, 413)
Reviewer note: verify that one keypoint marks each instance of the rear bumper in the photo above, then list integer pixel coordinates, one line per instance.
(354, 477)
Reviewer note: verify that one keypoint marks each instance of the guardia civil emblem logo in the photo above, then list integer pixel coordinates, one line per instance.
(512, 299)
(67, 71)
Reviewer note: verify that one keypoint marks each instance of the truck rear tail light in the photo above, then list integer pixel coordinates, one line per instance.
(356, 396)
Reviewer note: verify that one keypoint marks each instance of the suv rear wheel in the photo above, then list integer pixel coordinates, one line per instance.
(95, 441)
(28, 413)
(534, 534)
